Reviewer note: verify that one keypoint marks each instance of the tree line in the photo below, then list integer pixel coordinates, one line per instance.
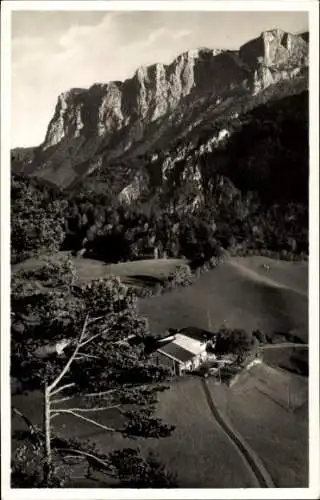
(254, 197)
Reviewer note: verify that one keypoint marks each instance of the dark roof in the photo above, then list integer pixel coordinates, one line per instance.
(177, 352)
(196, 333)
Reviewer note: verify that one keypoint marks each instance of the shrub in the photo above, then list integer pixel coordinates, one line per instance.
(260, 336)
(237, 341)
(180, 277)
(56, 271)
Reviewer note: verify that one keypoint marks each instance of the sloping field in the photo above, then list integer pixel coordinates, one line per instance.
(294, 359)
(238, 296)
(288, 390)
(269, 408)
(199, 451)
(293, 275)
(139, 270)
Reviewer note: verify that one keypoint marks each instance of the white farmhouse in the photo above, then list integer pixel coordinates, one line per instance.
(184, 351)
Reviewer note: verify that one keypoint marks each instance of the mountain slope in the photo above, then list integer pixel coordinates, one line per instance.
(114, 123)
(209, 151)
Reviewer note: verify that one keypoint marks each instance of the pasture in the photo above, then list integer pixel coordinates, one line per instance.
(237, 296)
(293, 275)
(199, 451)
(147, 271)
(292, 358)
(269, 408)
(141, 273)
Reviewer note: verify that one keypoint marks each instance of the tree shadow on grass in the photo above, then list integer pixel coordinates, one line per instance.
(145, 280)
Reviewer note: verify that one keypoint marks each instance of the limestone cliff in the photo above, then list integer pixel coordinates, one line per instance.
(152, 92)
(274, 56)
(91, 128)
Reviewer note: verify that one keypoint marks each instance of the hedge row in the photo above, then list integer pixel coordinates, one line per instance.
(283, 255)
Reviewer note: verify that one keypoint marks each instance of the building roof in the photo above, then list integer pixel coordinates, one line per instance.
(192, 345)
(196, 333)
(182, 348)
(176, 352)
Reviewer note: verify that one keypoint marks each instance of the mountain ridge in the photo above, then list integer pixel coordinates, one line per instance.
(93, 128)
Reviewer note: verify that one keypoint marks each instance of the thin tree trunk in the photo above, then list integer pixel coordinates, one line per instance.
(47, 430)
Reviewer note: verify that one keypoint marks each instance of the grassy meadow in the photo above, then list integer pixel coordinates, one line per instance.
(258, 408)
(237, 295)
(200, 453)
(291, 358)
(139, 272)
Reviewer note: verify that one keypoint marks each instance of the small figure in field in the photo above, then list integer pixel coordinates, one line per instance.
(266, 267)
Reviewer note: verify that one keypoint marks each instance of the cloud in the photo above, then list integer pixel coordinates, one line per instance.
(52, 52)
(80, 56)
(78, 35)
(181, 34)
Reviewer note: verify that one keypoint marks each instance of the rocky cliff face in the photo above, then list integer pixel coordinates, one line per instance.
(274, 56)
(152, 92)
(275, 48)
(91, 128)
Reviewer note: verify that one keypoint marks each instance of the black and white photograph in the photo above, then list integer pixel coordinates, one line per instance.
(159, 249)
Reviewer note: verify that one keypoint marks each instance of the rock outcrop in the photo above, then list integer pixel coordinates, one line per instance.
(92, 127)
(152, 92)
(274, 56)
(67, 119)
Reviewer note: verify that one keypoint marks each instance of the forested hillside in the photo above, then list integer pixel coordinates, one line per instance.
(254, 195)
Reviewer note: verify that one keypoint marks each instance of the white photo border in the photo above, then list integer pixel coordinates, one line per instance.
(311, 6)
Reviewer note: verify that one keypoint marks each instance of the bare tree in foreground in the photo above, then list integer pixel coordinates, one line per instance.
(97, 366)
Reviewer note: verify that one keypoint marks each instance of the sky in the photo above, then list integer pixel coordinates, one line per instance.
(53, 51)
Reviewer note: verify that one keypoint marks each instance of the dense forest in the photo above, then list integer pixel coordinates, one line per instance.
(255, 188)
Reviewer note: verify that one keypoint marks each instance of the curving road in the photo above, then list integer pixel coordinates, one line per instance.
(262, 475)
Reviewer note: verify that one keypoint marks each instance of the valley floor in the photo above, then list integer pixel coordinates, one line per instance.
(246, 436)
(252, 434)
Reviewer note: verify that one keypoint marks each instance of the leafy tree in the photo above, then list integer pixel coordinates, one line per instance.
(260, 336)
(196, 239)
(138, 472)
(37, 222)
(91, 324)
(242, 342)
(125, 468)
(236, 341)
(182, 276)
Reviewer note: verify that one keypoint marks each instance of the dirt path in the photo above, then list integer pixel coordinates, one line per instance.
(260, 278)
(253, 461)
(284, 345)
